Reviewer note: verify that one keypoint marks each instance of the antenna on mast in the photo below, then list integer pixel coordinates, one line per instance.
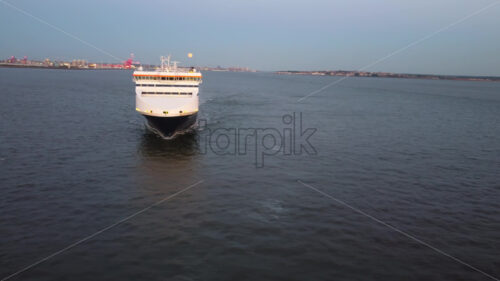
(165, 67)
(175, 65)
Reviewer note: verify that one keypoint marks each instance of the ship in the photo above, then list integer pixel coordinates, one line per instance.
(168, 97)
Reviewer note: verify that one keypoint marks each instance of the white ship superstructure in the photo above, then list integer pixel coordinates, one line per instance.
(168, 96)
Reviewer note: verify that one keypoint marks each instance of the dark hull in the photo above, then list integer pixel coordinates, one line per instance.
(169, 126)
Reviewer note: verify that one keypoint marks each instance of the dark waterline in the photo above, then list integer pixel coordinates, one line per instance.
(420, 155)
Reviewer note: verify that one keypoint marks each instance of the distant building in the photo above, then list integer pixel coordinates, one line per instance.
(79, 63)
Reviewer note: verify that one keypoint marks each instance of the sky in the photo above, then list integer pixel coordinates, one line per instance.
(261, 34)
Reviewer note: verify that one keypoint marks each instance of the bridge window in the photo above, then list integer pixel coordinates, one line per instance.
(168, 93)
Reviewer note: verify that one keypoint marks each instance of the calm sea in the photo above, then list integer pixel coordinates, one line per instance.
(396, 159)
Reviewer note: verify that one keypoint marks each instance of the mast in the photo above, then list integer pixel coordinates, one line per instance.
(165, 67)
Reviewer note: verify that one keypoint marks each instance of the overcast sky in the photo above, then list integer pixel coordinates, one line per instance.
(262, 34)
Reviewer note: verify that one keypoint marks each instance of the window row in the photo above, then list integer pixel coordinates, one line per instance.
(168, 78)
(167, 93)
(164, 85)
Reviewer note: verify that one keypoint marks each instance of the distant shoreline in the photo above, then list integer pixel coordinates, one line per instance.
(86, 67)
(340, 73)
(348, 73)
(11, 65)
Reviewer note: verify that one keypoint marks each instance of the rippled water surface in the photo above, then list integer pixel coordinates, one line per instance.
(421, 156)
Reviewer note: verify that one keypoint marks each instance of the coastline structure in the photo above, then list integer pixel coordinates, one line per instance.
(14, 62)
(60, 64)
(351, 73)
